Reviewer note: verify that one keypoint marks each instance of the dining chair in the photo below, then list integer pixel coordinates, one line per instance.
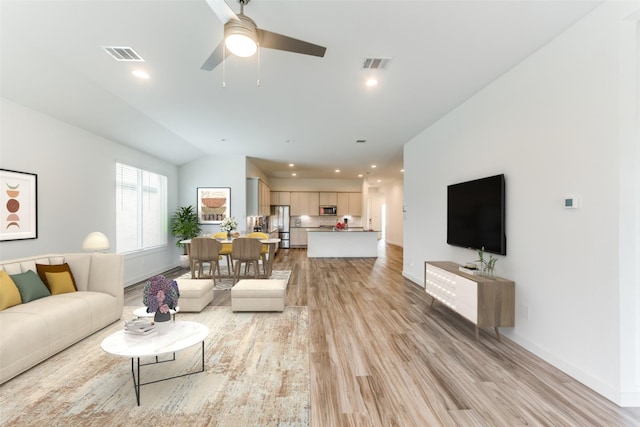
(245, 250)
(225, 251)
(265, 248)
(205, 250)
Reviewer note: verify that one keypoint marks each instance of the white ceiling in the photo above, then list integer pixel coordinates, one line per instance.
(307, 110)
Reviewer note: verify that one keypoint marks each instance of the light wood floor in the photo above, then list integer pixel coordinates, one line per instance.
(381, 356)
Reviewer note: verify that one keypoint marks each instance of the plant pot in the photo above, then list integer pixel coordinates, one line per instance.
(162, 321)
(184, 261)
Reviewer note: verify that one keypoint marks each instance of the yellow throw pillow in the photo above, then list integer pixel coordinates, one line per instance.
(60, 283)
(55, 268)
(9, 293)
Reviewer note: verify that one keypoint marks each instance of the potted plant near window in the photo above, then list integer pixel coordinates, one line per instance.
(184, 225)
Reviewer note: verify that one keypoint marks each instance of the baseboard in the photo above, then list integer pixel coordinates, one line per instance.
(417, 281)
(141, 278)
(620, 398)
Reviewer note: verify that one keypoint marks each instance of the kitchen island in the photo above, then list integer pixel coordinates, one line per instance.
(341, 244)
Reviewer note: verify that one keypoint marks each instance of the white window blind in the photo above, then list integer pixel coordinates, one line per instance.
(141, 209)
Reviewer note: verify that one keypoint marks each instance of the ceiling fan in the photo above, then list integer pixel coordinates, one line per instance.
(242, 37)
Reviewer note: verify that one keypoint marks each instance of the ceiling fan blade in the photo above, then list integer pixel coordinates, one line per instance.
(215, 58)
(222, 10)
(278, 41)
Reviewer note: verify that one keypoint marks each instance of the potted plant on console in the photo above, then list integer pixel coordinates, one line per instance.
(184, 226)
(486, 265)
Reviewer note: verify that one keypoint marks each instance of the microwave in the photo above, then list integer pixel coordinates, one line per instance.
(328, 210)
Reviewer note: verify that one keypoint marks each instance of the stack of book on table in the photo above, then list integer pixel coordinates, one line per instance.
(139, 326)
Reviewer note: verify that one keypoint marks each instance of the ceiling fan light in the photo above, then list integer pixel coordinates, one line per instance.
(241, 36)
(241, 45)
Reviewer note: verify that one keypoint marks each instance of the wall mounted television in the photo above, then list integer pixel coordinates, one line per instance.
(476, 214)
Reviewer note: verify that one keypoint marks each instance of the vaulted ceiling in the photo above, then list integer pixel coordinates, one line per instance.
(306, 110)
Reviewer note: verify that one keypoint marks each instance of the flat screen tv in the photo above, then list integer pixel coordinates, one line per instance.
(476, 214)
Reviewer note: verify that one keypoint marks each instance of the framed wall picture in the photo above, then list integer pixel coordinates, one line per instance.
(214, 204)
(18, 205)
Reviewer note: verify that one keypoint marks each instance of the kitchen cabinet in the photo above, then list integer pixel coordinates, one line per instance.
(258, 197)
(355, 204)
(342, 204)
(305, 203)
(328, 199)
(349, 204)
(298, 237)
(281, 198)
(313, 205)
(265, 199)
(295, 204)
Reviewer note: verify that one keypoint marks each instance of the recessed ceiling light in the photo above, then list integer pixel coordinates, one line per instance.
(371, 82)
(294, 174)
(373, 166)
(337, 170)
(360, 175)
(402, 170)
(291, 165)
(141, 74)
(379, 180)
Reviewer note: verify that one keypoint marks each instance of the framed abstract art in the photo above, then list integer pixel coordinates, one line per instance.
(214, 204)
(18, 205)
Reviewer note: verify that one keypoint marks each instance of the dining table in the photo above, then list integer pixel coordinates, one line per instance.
(271, 243)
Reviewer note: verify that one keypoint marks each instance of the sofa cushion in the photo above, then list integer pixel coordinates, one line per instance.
(43, 269)
(30, 286)
(60, 283)
(9, 293)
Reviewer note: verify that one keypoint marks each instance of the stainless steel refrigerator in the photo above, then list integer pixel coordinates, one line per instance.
(280, 220)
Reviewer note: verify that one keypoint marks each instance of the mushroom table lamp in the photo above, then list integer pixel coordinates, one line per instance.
(96, 242)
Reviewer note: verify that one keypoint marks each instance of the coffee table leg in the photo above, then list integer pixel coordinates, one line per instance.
(136, 383)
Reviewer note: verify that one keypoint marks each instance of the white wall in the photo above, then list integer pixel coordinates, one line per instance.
(552, 126)
(394, 199)
(216, 171)
(76, 186)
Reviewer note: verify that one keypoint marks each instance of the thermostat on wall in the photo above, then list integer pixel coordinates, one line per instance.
(571, 202)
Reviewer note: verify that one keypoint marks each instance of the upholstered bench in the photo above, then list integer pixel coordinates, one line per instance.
(195, 294)
(258, 295)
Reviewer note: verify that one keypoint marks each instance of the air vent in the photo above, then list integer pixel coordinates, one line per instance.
(123, 53)
(360, 141)
(376, 63)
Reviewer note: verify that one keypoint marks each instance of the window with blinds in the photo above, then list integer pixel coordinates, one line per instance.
(141, 209)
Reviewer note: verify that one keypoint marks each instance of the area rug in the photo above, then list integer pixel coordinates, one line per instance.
(226, 284)
(256, 374)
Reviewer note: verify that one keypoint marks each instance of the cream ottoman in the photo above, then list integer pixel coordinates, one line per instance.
(258, 295)
(195, 294)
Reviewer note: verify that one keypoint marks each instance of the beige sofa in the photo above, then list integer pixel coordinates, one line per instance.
(32, 332)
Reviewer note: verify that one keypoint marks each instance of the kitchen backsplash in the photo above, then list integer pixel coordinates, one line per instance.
(317, 221)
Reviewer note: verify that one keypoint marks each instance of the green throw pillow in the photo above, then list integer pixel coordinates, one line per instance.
(30, 285)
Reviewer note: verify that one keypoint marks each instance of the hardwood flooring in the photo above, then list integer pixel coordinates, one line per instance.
(382, 356)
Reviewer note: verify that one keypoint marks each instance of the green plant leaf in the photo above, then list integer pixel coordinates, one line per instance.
(184, 224)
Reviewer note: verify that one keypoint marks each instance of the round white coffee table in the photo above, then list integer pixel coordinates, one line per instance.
(180, 335)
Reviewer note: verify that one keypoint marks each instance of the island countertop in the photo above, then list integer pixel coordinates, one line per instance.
(329, 230)
(327, 243)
